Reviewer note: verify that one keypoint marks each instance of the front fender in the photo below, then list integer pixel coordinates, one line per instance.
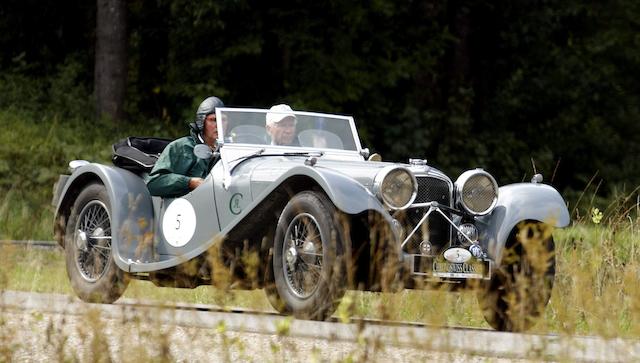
(347, 194)
(516, 203)
(131, 210)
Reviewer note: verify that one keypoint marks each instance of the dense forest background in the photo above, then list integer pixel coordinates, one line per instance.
(510, 86)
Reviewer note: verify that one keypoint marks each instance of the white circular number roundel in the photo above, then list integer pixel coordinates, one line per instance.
(179, 223)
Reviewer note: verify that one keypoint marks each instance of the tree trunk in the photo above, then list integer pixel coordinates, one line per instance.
(460, 58)
(111, 58)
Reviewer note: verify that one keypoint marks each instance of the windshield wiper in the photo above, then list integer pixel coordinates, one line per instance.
(303, 153)
(261, 151)
(257, 153)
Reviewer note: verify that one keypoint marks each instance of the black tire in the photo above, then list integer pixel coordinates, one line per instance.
(93, 274)
(309, 282)
(271, 290)
(519, 291)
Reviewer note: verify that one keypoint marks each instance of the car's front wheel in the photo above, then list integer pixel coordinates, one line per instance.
(92, 271)
(519, 291)
(308, 257)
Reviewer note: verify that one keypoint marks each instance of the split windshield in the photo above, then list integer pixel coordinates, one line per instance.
(289, 128)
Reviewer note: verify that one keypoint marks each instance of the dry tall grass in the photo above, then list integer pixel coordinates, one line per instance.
(596, 292)
(596, 289)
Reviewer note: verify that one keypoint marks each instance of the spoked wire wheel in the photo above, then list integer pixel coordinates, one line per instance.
(308, 257)
(93, 241)
(92, 270)
(302, 262)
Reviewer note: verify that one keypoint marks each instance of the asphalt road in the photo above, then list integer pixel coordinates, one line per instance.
(207, 333)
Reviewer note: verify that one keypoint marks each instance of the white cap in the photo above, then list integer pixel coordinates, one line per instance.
(280, 112)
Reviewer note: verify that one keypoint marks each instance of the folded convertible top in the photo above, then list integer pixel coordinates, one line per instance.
(138, 154)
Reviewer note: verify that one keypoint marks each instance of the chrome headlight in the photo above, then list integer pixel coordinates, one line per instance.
(396, 187)
(477, 191)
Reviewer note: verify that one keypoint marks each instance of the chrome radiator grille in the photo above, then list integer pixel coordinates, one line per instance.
(432, 189)
(436, 229)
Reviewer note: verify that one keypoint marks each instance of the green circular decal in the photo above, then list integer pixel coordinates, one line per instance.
(234, 203)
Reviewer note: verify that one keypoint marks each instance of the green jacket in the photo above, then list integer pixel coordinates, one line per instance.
(175, 166)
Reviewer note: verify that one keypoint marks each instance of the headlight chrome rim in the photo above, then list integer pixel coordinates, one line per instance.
(460, 187)
(380, 179)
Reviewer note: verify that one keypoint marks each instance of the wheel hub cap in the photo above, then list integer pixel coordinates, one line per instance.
(309, 247)
(292, 256)
(81, 240)
(309, 252)
(99, 232)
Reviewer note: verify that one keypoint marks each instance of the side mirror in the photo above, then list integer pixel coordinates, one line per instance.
(365, 152)
(202, 151)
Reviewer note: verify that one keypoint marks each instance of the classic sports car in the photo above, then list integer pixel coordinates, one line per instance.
(309, 221)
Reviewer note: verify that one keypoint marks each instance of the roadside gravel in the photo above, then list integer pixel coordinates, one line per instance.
(33, 336)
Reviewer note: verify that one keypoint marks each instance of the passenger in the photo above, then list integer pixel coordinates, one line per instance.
(178, 170)
(281, 125)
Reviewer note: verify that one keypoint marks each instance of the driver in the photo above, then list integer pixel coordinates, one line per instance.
(178, 170)
(281, 125)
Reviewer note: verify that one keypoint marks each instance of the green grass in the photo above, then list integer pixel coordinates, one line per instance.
(35, 149)
(40, 270)
(596, 286)
(32, 269)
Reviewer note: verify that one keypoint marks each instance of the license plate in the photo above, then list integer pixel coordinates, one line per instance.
(458, 270)
(430, 266)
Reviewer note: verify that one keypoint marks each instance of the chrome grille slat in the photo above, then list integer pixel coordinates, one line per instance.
(432, 189)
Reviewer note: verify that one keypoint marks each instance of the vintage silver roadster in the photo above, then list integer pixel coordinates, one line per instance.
(307, 222)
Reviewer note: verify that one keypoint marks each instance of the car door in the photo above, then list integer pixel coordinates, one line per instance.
(188, 222)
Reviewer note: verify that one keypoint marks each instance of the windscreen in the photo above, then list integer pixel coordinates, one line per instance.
(287, 128)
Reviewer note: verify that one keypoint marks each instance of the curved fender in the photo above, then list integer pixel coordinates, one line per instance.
(131, 211)
(347, 194)
(516, 203)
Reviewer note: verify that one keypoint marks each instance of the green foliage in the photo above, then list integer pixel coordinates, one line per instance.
(62, 94)
(565, 89)
(514, 87)
(68, 96)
